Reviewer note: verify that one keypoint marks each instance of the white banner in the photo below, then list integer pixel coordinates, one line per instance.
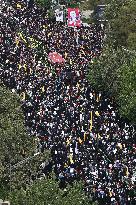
(59, 15)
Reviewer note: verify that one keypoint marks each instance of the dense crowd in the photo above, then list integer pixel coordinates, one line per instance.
(62, 111)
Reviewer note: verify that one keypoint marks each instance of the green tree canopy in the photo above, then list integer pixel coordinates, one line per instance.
(44, 3)
(127, 95)
(16, 145)
(46, 191)
(122, 19)
(114, 72)
(13, 137)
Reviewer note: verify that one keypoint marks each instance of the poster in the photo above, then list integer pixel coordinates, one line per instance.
(59, 15)
(74, 17)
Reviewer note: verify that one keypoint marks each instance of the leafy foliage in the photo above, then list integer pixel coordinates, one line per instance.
(46, 191)
(16, 145)
(114, 72)
(127, 95)
(121, 16)
(13, 135)
(44, 3)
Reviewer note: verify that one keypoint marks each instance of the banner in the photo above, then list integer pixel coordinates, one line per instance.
(55, 57)
(74, 17)
(59, 15)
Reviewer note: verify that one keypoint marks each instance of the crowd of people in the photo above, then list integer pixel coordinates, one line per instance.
(62, 111)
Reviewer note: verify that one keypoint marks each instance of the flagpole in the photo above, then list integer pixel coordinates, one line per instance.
(77, 36)
(91, 120)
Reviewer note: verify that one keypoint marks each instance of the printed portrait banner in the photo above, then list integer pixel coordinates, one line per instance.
(74, 17)
(59, 15)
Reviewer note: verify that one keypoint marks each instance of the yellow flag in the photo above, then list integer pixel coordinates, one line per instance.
(21, 36)
(97, 99)
(120, 145)
(65, 165)
(68, 141)
(80, 141)
(97, 113)
(66, 55)
(84, 136)
(23, 95)
(43, 89)
(91, 120)
(99, 136)
(18, 6)
(49, 34)
(110, 193)
(78, 85)
(19, 66)
(17, 42)
(71, 159)
(127, 171)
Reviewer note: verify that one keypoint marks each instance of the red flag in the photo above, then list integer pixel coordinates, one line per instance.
(55, 57)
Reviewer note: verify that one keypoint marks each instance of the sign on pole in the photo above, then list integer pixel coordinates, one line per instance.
(59, 15)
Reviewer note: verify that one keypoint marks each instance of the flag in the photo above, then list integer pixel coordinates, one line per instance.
(71, 159)
(78, 85)
(97, 99)
(23, 96)
(19, 66)
(80, 141)
(74, 17)
(68, 142)
(84, 136)
(19, 6)
(21, 36)
(17, 41)
(65, 165)
(97, 113)
(66, 54)
(99, 136)
(43, 89)
(70, 62)
(127, 173)
(59, 15)
(110, 193)
(55, 57)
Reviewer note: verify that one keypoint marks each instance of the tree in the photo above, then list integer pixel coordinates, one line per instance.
(127, 91)
(46, 191)
(121, 16)
(44, 3)
(92, 4)
(114, 73)
(13, 137)
(16, 145)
